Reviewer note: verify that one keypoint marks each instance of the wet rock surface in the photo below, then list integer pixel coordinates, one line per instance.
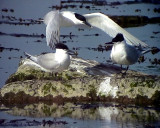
(85, 80)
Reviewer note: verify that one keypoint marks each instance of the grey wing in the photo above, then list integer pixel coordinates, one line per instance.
(53, 28)
(48, 61)
(107, 25)
(132, 54)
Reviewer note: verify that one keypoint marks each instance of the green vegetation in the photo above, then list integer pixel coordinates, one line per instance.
(46, 88)
(147, 83)
(20, 77)
(92, 92)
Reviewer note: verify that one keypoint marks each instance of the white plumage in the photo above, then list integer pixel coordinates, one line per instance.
(52, 62)
(123, 53)
(111, 28)
(55, 20)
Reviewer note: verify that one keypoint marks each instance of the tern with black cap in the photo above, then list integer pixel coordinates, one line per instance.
(123, 53)
(52, 62)
(56, 19)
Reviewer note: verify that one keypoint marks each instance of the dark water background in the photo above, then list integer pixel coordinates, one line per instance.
(16, 36)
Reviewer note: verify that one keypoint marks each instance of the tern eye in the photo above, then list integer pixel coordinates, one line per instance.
(80, 17)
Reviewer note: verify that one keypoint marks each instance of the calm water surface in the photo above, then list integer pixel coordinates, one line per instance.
(88, 115)
(82, 39)
(101, 116)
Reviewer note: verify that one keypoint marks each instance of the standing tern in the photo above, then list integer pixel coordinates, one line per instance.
(52, 62)
(123, 53)
(56, 19)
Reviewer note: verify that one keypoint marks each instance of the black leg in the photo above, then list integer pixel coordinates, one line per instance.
(43, 75)
(121, 67)
(126, 69)
(56, 74)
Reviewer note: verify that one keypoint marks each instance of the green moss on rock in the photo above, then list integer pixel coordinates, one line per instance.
(147, 83)
(84, 80)
(20, 77)
(46, 88)
(92, 92)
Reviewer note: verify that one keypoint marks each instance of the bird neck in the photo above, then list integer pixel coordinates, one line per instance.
(69, 19)
(61, 51)
(60, 55)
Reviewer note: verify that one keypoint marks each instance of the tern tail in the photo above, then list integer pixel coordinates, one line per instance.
(33, 58)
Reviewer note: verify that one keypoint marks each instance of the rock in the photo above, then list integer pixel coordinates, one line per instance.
(85, 80)
(132, 21)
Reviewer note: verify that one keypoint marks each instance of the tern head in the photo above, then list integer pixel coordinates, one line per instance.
(61, 46)
(82, 19)
(65, 48)
(119, 38)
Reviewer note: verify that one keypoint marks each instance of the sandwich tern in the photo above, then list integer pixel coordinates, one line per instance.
(123, 53)
(56, 19)
(52, 62)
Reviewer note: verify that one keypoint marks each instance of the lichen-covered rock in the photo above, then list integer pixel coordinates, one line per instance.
(85, 80)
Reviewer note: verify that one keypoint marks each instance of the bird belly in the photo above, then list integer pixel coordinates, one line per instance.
(122, 56)
(50, 66)
(63, 63)
(119, 56)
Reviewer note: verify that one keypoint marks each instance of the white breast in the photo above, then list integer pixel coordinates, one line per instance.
(124, 54)
(63, 59)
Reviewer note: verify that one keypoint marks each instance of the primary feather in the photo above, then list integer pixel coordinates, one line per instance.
(107, 25)
(52, 30)
(56, 19)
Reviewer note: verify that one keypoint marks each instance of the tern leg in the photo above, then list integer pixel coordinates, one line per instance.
(43, 74)
(52, 75)
(121, 67)
(55, 75)
(126, 69)
(124, 73)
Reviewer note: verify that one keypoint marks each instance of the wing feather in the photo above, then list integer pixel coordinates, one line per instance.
(48, 61)
(53, 28)
(107, 25)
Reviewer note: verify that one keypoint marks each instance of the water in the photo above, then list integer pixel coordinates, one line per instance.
(83, 38)
(86, 115)
(102, 116)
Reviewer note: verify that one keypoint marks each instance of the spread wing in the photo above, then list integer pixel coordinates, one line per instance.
(107, 25)
(53, 29)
